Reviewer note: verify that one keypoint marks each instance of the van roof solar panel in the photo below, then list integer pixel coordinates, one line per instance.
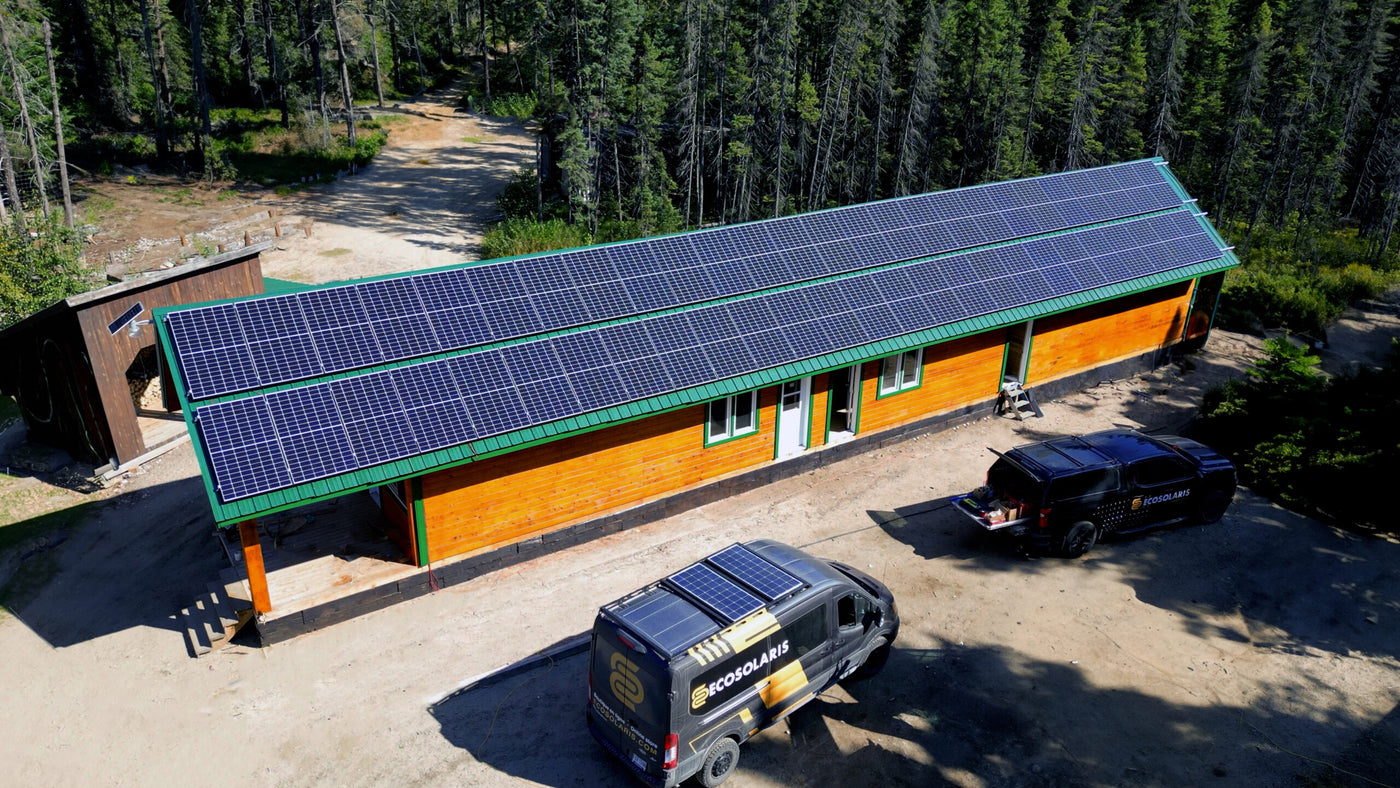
(756, 572)
(715, 592)
(667, 621)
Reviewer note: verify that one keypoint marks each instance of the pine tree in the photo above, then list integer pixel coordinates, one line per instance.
(921, 114)
(1049, 91)
(1239, 171)
(1173, 29)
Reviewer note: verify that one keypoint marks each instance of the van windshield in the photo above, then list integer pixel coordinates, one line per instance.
(632, 684)
(1009, 480)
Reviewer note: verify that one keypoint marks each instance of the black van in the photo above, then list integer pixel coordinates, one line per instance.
(686, 669)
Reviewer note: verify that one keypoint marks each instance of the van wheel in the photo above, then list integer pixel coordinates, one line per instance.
(1213, 506)
(719, 763)
(1082, 536)
(874, 663)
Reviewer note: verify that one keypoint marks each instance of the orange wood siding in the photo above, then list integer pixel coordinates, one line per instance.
(504, 499)
(955, 374)
(821, 392)
(1082, 338)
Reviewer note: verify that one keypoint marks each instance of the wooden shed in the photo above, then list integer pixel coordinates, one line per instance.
(85, 371)
(509, 407)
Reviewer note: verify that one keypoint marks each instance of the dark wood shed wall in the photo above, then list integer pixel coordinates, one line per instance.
(113, 354)
(69, 374)
(51, 378)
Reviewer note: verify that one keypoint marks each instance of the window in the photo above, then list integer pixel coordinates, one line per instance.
(1160, 470)
(1087, 483)
(854, 610)
(807, 632)
(732, 417)
(901, 372)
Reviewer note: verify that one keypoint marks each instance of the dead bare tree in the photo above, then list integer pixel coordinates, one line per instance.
(58, 131)
(349, 96)
(374, 47)
(7, 165)
(26, 123)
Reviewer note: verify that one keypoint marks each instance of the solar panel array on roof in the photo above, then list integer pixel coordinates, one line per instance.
(386, 415)
(672, 623)
(754, 571)
(715, 592)
(264, 342)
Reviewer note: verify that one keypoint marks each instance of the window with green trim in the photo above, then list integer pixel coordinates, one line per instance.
(731, 417)
(900, 372)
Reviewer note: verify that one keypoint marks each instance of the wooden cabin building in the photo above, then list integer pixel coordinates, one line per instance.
(509, 407)
(85, 372)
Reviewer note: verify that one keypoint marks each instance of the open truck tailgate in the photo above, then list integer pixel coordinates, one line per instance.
(993, 515)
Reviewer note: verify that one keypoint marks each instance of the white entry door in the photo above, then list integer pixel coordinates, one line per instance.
(792, 416)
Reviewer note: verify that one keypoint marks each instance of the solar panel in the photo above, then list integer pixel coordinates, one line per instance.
(715, 592)
(672, 623)
(763, 576)
(447, 310)
(347, 347)
(212, 352)
(312, 431)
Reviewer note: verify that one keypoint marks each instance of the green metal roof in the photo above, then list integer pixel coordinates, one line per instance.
(289, 497)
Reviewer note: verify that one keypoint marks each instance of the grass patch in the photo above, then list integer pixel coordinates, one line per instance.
(184, 196)
(424, 161)
(335, 252)
(94, 206)
(474, 140)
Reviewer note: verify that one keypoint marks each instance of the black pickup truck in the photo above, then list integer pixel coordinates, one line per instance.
(1064, 494)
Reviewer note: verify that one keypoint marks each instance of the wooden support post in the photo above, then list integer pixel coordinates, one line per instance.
(277, 229)
(246, 240)
(253, 560)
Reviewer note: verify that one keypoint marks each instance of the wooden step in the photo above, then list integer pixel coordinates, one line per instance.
(235, 586)
(222, 607)
(212, 620)
(196, 633)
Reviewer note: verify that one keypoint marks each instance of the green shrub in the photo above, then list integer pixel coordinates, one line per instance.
(39, 265)
(520, 106)
(1301, 281)
(1315, 444)
(521, 235)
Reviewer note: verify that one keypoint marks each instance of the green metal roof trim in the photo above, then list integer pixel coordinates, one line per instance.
(279, 500)
(282, 286)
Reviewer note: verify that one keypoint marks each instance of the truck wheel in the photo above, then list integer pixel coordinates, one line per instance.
(874, 663)
(1082, 536)
(1213, 506)
(719, 763)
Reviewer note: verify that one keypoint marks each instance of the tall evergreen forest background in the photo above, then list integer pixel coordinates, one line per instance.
(1281, 116)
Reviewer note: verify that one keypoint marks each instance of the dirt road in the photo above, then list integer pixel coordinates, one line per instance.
(423, 202)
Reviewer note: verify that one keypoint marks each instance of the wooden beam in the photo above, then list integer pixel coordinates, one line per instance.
(252, 558)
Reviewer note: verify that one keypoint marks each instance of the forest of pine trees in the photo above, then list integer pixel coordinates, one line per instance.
(1280, 114)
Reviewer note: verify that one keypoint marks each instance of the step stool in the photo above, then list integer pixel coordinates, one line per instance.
(1016, 400)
